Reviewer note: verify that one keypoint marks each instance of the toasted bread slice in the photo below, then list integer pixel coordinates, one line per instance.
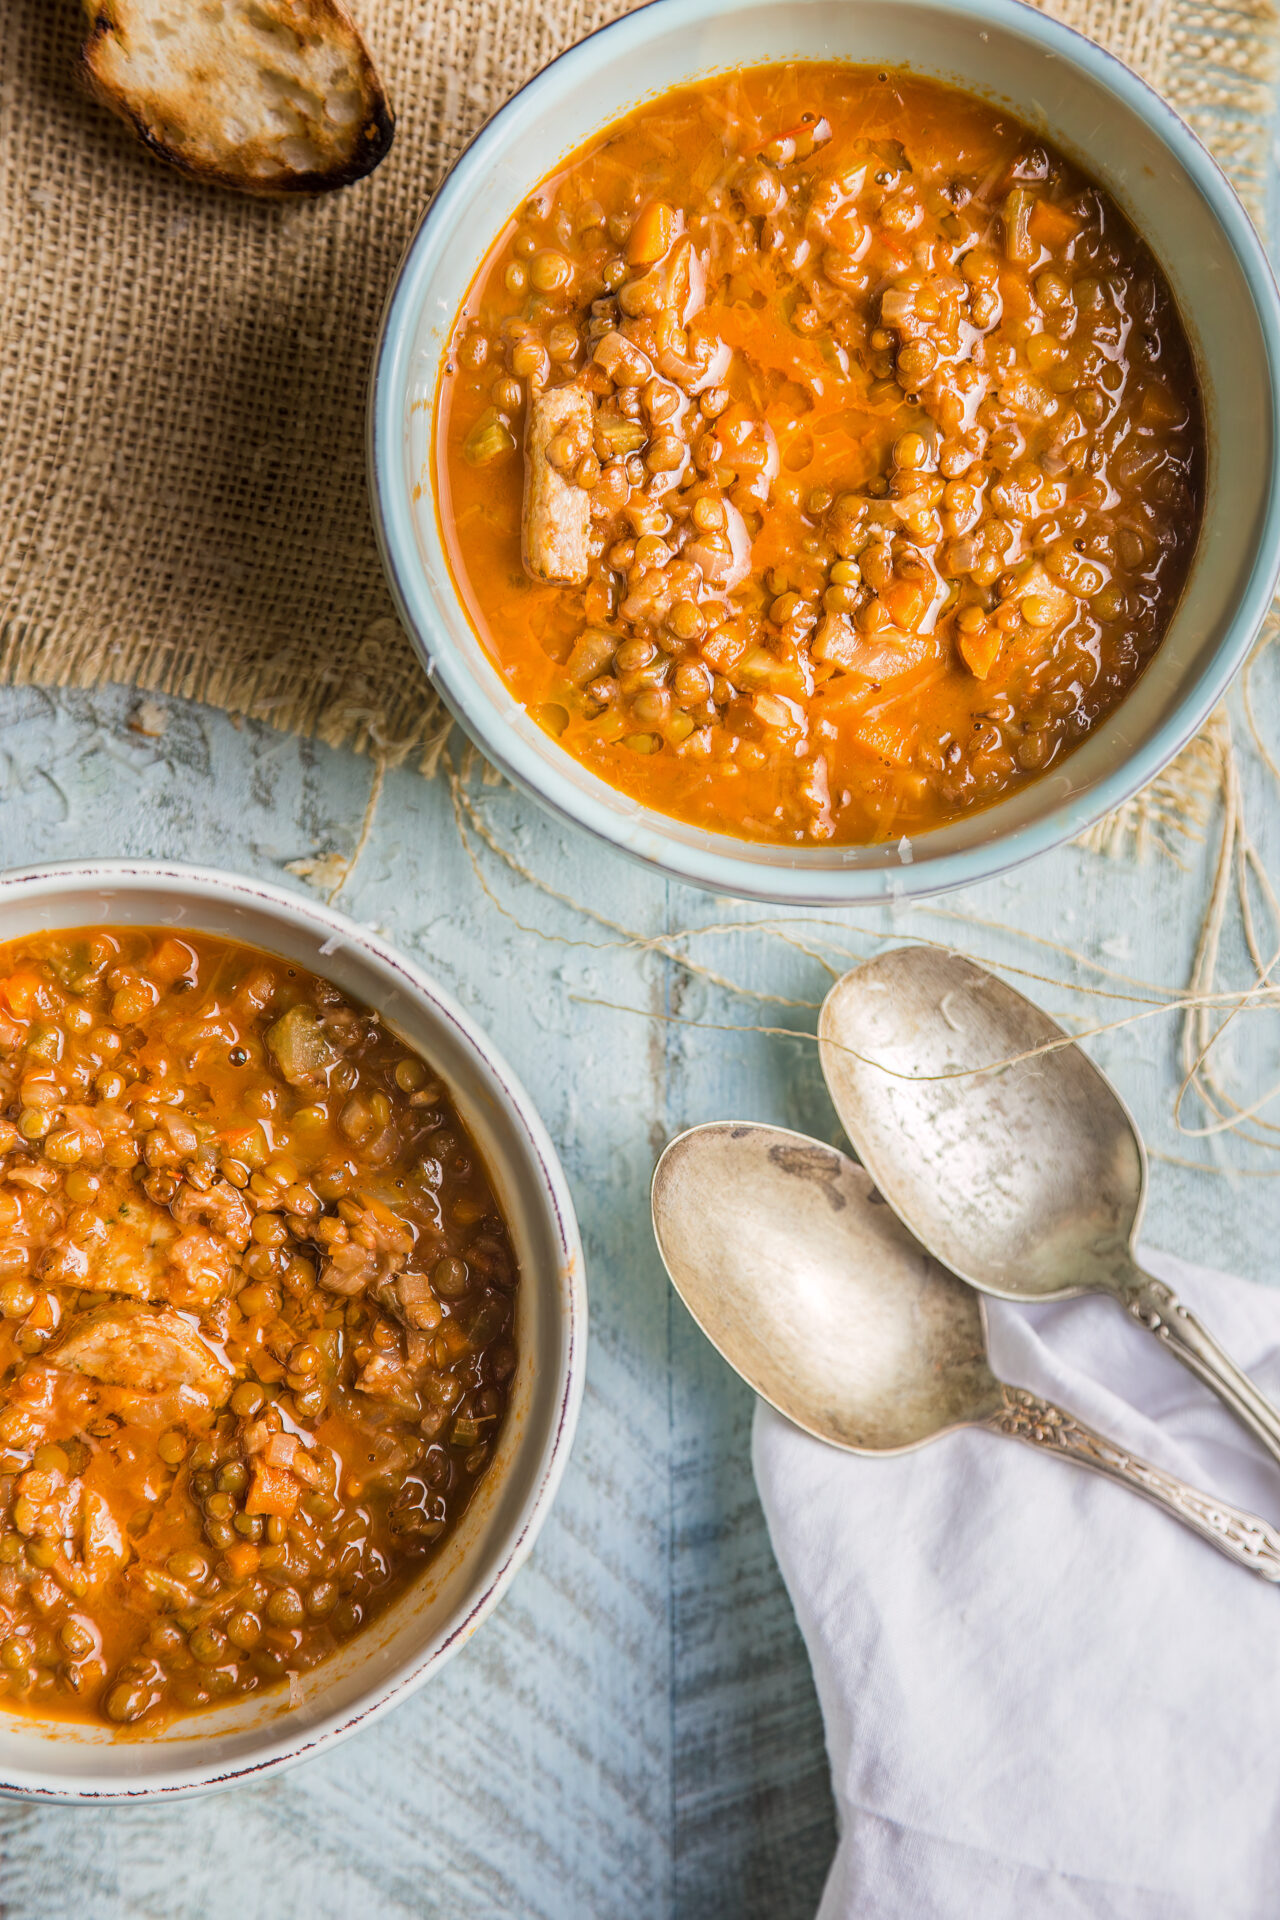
(267, 96)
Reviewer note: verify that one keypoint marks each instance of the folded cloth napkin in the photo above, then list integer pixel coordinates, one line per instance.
(1042, 1696)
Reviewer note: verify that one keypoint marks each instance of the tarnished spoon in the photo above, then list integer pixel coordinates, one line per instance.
(814, 1292)
(1028, 1181)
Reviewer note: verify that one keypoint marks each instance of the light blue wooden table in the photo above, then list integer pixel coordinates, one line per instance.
(635, 1732)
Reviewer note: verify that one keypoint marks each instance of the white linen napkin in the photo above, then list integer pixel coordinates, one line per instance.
(1042, 1696)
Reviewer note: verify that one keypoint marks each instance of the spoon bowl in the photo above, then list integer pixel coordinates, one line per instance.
(1029, 1181)
(1003, 1149)
(814, 1292)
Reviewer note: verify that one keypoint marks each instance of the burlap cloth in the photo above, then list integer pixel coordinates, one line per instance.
(183, 372)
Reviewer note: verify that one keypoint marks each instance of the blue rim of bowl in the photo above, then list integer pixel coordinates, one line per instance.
(803, 885)
(280, 1749)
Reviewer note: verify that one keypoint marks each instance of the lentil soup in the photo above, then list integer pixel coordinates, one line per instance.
(256, 1321)
(819, 455)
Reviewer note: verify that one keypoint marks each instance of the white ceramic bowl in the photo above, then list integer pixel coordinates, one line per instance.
(1119, 132)
(443, 1609)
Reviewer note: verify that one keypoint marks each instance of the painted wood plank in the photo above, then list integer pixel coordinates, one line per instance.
(635, 1732)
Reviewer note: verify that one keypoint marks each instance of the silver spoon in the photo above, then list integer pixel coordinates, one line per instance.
(813, 1291)
(1028, 1181)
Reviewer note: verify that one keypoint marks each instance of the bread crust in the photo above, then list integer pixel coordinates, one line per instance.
(329, 20)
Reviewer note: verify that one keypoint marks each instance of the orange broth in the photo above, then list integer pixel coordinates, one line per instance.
(854, 444)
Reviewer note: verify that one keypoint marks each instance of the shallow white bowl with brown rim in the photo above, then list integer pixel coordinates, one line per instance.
(403, 1647)
(1118, 131)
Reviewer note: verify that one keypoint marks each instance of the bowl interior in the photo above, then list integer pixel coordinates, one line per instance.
(1118, 132)
(442, 1609)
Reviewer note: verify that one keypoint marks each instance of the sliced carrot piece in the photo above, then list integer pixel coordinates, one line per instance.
(22, 992)
(652, 234)
(908, 602)
(272, 1490)
(980, 650)
(726, 646)
(171, 961)
(280, 1450)
(887, 742)
(243, 1559)
(453, 1339)
(1051, 226)
(246, 1143)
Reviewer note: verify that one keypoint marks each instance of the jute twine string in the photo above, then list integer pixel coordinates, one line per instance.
(1205, 1010)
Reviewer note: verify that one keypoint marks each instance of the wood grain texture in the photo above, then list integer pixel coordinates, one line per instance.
(634, 1735)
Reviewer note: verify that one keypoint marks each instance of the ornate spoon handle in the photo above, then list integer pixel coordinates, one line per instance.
(1244, 1538)
(1158, 1308)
